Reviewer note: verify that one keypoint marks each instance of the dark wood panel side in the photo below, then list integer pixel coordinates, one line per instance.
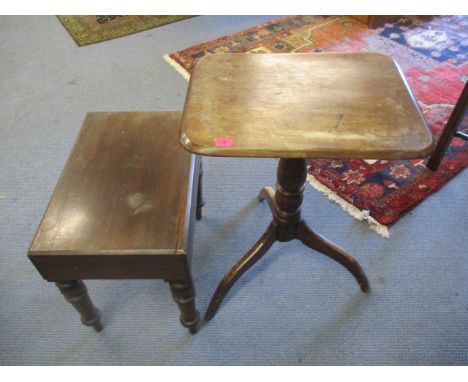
(80, 267)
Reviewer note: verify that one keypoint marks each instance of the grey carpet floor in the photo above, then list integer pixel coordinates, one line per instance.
(294, 307)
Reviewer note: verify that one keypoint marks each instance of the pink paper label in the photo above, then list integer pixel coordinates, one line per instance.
(224, 142)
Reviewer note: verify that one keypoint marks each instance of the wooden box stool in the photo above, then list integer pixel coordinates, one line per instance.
(123, 209)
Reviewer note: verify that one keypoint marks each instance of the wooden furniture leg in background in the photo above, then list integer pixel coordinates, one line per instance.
(450, 130)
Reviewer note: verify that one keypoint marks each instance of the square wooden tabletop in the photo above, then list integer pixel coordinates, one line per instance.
(123, 190)
(312, 105)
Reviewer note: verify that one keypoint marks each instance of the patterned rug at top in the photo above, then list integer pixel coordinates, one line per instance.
(92, 29)
(433, 57)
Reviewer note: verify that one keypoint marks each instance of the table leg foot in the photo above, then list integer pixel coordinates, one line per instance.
(183, 294)
(320, 244)
(268, 194)
(75, 293)
(245, 263)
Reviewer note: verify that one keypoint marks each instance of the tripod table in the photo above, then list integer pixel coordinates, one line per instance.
(293, 107)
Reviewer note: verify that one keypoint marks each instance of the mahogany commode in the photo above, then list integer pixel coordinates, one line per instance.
(123, 209)
(293, 107)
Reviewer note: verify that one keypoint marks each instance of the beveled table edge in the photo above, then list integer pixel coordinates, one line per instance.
(326, 154)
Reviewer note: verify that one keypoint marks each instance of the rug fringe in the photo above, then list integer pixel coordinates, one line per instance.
(179, 68)
(355, 212)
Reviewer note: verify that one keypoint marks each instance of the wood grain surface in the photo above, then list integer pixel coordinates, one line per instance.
(316, 105)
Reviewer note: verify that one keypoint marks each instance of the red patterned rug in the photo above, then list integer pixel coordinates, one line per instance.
(433, 55)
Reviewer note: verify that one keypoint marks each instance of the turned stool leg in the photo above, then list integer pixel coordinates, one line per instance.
(200, 201)
(183, 294)
(75, 293)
